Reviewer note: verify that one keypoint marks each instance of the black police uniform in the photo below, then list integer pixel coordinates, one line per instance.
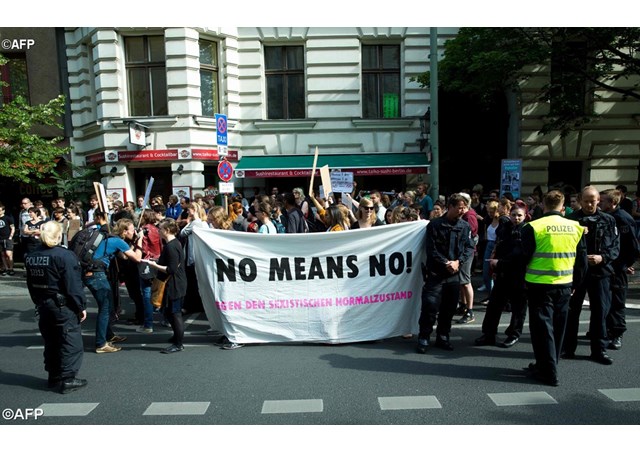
(445, 241)
(629, 253)
(602, 239)
(55, 286)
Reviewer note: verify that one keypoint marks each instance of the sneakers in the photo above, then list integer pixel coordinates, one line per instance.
(615, 344)
(143, 329)
(509, 341)
(423, 345)
(171, 349)
(117, 339)
(467, 318)
(108, 347)
(3, 272)
(482, 288)
(11, 272)
(229, 346)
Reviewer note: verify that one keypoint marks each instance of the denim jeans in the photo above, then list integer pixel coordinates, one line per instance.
(145, 287)
(99, 286)
(486, 278)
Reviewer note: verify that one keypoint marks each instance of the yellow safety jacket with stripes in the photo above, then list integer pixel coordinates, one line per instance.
(556, 241)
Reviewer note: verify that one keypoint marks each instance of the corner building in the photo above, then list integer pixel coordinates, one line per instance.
(285, 91)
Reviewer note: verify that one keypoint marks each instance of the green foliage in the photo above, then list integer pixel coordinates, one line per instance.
(72, 181)
(24, 154)
(486, 62)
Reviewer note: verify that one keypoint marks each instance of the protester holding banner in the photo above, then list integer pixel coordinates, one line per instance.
(366, 215)
(448, 247)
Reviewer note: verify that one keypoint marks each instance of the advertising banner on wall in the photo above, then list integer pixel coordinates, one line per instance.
(340, 287)
(511, 177)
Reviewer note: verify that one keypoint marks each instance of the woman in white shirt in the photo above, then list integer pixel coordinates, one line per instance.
(263, 213)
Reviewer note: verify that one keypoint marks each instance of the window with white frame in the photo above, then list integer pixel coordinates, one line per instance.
(284, 71)
(380, 81)
(146, 75)
(209, 78)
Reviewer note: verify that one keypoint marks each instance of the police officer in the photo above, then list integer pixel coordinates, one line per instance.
(54, 282)
(622, 266)
(449, 247)
(603, 247)
(555, 252)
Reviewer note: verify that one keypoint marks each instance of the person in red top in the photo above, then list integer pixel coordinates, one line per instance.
(466, 289)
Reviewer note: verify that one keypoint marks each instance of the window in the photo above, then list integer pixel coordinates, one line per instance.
(381, 81)
(146, 75)
(209, 78)
(568, 94)
(284, 70)
(14, 75)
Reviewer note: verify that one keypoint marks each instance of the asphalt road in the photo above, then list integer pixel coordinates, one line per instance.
(383, 383)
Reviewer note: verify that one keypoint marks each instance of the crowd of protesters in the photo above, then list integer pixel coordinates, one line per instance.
(494, 222)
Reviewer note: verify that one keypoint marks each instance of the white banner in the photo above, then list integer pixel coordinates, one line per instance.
(337, 287)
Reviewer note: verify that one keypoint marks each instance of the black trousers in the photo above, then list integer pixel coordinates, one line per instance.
(192, 301)
(439, 302)
(548, 311)
(173, 313)
(506, 290)
(616, 323)
(63, 347)
(599, 304)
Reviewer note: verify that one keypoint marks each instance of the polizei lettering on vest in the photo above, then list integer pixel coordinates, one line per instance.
(560, 229)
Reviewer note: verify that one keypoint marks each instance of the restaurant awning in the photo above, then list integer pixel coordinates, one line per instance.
(359, 164)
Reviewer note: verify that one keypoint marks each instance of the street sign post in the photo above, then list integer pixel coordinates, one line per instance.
(221, 134)
(225, 170)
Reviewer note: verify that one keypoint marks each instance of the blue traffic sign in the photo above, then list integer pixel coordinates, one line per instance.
(221, 129)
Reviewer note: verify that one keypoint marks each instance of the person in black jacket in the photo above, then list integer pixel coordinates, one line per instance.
(622, 266)
(171, 265)
(448, 246)
(55, 286)
(509, 268)
(603, 247)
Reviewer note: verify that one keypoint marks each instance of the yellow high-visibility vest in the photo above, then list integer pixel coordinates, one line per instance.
(556, 241)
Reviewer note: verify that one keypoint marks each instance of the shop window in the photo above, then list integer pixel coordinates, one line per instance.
(14, 76)
(284, 71)
(209, 78)
(381, 81)
(146, 75)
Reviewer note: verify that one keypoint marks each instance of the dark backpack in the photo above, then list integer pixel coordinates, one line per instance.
(84, 245)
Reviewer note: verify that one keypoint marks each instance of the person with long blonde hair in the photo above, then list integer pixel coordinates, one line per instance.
(366, 215)
(218, 218)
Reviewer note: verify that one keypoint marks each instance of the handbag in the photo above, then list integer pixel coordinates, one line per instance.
(146, 272)
(157, 292)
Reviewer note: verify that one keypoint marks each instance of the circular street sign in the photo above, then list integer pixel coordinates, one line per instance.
(222, 125)
(225, 170)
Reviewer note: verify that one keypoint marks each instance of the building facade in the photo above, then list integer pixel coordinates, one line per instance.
(346, 92)
(604, 152)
